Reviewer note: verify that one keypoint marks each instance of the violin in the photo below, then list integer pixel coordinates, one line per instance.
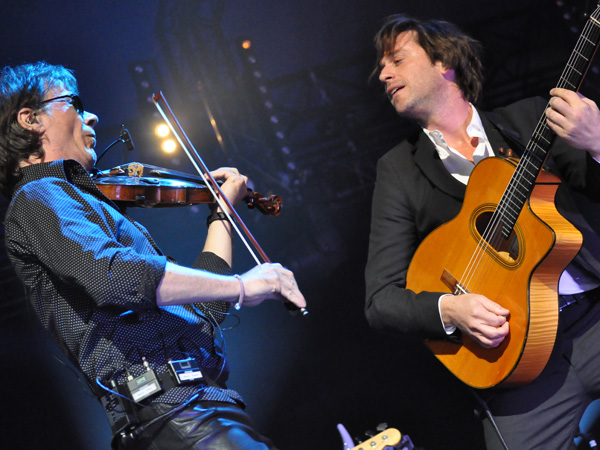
(238, 225)
(143, 185)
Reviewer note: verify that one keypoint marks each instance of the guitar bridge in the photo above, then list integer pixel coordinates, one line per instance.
(453, 284)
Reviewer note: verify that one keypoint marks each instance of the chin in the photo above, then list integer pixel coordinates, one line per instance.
(88, 162)
(93, 156)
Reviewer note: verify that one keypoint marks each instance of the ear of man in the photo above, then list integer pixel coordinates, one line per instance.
(27, 118)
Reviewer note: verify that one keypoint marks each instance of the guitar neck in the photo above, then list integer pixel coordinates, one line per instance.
(537, 149)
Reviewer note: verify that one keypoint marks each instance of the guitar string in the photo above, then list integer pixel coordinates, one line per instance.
(540, 129)
(491, 237)
(482, 246)
(474, 267)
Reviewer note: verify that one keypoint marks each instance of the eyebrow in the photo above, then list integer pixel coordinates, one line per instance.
(391, 55)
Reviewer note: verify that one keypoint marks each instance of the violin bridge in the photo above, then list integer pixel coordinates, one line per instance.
(135, 170)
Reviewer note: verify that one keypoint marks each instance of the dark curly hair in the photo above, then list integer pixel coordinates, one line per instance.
(443, 42)
(24, 87)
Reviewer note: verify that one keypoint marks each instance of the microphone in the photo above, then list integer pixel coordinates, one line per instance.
(126, 138)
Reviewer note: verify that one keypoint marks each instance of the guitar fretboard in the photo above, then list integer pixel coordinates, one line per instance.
(532, 160)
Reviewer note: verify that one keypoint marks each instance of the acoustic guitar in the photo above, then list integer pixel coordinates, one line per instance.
(513, 247)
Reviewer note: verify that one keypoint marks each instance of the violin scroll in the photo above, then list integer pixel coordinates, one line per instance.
(270, 206)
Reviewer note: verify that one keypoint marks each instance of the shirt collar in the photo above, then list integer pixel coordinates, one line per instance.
(474, 129)
(69, 170)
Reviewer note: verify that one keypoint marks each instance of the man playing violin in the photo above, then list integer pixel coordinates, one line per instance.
(431, 73)
(144, 331)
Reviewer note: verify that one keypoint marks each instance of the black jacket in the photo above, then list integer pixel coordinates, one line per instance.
(414, 194)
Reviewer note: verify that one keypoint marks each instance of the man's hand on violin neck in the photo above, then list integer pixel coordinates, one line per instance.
(235, 184)
(271, 281)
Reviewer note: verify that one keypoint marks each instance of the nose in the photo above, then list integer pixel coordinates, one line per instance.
(90, 119)
(386, 74)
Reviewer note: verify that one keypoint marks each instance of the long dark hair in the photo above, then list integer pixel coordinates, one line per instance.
(24, 87)
(443, 42)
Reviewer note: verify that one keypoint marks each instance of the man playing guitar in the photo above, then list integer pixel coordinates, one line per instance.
(431, 73)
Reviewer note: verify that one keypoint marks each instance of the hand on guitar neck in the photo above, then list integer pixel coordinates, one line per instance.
(483, 320)
(576, 119)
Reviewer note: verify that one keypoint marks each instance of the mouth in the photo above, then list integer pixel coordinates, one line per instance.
(391, 92)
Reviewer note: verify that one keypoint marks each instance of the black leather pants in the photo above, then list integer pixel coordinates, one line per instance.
(202, 425)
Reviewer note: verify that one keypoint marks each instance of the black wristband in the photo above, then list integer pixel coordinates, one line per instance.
(214, 216)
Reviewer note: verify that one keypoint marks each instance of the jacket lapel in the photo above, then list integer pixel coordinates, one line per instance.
(501, 135)
(428, 160)
(426, 157)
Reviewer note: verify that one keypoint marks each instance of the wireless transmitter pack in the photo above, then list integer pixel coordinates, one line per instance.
(185, 370)
(143, 386)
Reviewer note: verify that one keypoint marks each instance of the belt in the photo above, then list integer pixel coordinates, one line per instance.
(121, 409)
(566, 300)
(163, 382)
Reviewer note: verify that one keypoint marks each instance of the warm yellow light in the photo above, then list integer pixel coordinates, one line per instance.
(246, 44)
(169, 146)
(162, 130)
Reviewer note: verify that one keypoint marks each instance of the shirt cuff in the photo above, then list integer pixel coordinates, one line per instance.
(451, 328)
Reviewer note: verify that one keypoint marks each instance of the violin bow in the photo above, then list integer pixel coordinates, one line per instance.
(213, 186)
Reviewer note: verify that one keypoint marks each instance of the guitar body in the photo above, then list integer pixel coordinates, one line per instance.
(520, 273)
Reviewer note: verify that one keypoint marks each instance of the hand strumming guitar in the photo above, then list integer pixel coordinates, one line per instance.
(483, 320)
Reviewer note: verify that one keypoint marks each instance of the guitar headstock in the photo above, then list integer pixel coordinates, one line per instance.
(387, 438)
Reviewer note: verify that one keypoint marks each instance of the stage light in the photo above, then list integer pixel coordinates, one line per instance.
(246, 44)
(169, 146)
(162, 130)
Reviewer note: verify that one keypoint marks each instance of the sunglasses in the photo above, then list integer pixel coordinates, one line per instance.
(71, 98)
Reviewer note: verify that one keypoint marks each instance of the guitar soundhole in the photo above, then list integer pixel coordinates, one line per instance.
(491, 232)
